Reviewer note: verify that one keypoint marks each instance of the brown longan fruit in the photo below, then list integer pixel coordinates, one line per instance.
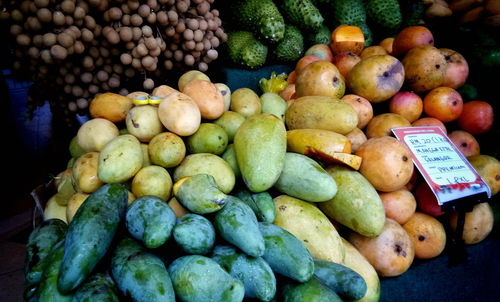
(89, 22)
(212, 54)
(153, 4)
(150, 43)
(58, 18)
(155, 52)
(133, 4)
(189, 60)
(115, 13)
(87, 35)
(46, 56)
(147, 61)
(34, 24)
(147, 31)
(68, 6)
(151, 19)
(215, 42)
(44, 15)
(180, 27)
(142, 50)
(198, 35)
(58, 52)
(126, 59)
(178, 55)
(148, 84)
(16, 15)
(114, 82)
(202, 66)
(77, 91)
(199, 46)
(170, 31)
(129, 73)
(188, 34)
(69, 20)
(38, 40)
(144, 10)
(173, 17)
(72, 106)
(23, 40)
(65, 39)
(125, 9)
(126, 34)
(190, 45)
(104, 52)
(15, 29)
(82, 103)
(136, 20)
(123, 91)
(93, 89)
(49, 39)
(117, 69)
(41, 3)
(102, 76)
(203, 8)
(136, 63)
(162, 18)
(86, 77)
(126, 20)
(79, 13)
(113, 37)
(79, 47)
(88, 63)
(182, 6)
(34, 52)
(168, 64)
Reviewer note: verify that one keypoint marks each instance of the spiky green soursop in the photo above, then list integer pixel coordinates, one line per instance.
(245, 49)
(303, 14)
(261, 17)
(322, 36)
(349, 12)
(384, 13)
(291, 48)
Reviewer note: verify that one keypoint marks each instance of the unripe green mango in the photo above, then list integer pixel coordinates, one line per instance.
(304, 178)
(207, 163)
(260, 145)
(230, 157)
(306, 222)
(230, 121)
(200, 194)
(274, 104)
(120, 159)
(312, 290)
(209, 138)
(357, 204)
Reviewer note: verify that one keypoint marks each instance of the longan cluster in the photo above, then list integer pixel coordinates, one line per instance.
(85, 47)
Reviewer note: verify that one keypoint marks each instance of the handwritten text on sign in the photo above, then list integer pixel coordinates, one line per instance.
(444, 168)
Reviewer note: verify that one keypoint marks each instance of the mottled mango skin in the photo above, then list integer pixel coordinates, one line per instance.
(194, 233)
(237, 224)
(48, 290)
(285, 253)
(260, 145)
(256, 275)
(140, 275)
(302, 177)
(150, 220)
(99, 287)
(200, 194)
(344, 281)
(189, 277)
(90, 234)
(311, 290)
(357, 204)
(306, 222)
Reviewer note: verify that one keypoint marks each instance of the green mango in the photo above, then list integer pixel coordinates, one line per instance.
(237, 224)
(357, 204)
(194, 233)
(230, 121)
(200, 194)
(311, 291)
(120, 159)
(260, 145)
(209, 138)
(344, 281)
(48, 290)
(140, 275)
(200, 279)
(304, 178)
(230, 157)
(207, 163)
(274, 104)
(255, 273)
(99, 287)
(75, 149)
(150, 220)
(261, 203)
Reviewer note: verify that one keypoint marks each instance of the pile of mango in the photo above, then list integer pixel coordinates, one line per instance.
(201, 194)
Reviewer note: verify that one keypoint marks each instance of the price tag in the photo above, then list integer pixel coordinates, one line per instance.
(445, 169)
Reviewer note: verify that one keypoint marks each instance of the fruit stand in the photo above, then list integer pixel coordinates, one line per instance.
(209, 150)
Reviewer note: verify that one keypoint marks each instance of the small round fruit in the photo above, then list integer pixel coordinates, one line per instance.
(489, 169)
(376, 78)
(386, 164)
(407, 104)
(362, 106)
(429, 121)
(443, 103)
(476, 117)
(410, 37)
(465, 142)
(399, 205)
(478, 223)
(427, 201)
(166, 149)
(246, 102)
(382, 124)
(457, 69)
(153, 181)
(209, 138)
(427, 234)
(391, 253)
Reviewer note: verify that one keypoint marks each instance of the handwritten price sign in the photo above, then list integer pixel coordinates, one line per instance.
(443, 167)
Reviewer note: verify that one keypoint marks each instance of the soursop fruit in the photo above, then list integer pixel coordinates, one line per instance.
(261, 17)
(291, 48)
(384, 13)
(245, 50)
(322, 36)
(303, 14)
(349, 12)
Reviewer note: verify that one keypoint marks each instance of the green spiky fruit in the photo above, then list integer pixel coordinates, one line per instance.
(303, 14)
(349, 12)
(322, 36)
(261, 17)
(245, 49)
(384, 13)
(291, 48)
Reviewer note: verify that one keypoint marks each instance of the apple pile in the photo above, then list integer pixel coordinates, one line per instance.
(403, 81)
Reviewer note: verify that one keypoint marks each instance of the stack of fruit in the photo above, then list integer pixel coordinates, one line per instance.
(208, 194)
(280, 31)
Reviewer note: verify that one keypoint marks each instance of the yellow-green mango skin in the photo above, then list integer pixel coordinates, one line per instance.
(120, 159)
(356, 204)
(306, 222)
(260, 146)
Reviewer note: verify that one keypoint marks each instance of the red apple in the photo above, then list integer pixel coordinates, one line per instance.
(407, 104)
(304, 61)
(345, 61)
(465, 142)
(427, 201)
(476, 117)
(457, 69)
(322, 51)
